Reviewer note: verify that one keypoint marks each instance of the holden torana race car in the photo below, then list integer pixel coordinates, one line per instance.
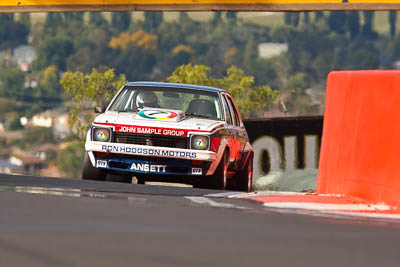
(171, 133)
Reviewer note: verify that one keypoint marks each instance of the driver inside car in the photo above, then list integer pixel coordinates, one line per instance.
(147, 99)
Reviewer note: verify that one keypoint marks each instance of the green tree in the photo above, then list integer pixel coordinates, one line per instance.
(324, 63)
(368, 30)
(152, 20)
(52, 22)
(25, 18)
(135, 62)
(48, 90)
(121, 21)
(392, 22)
(287, 18)
(38, 136)
(353, 23)
(319, 15)
(6, 106)
(292, 18)
(12, 83)
(337, 21)
(69, 160)
(97, 19)
(250, 51)
(14, 124)
(231, 16)
(217, 18)
(251, 100)
(12, 33)
(184, 18)
(306, 18)
(363, 59)
(295, 19)
(87, 91)
(294, 94)
(73, 16)
(53, 52)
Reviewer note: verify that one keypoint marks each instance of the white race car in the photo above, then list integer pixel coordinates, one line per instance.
(171, 133)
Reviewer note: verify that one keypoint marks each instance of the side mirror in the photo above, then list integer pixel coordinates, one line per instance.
(99, 109)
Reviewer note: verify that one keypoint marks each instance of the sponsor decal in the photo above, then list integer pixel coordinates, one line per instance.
(197, 171)
(157, 115)
(144, 167)
(101, 163)
(146, 130)
(148, 151)
(153, 130)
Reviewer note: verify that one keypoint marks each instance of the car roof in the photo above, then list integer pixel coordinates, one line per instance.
(176, 85)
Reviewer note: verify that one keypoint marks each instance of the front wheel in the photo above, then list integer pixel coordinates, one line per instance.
(219, 178)
(91, 173)
(244, 178)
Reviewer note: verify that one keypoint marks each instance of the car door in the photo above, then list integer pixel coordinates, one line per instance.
(234, 128)
(239, 131)
(228, 132)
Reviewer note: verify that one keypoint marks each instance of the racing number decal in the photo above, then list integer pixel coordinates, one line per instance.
(197, 171)
(101, 163)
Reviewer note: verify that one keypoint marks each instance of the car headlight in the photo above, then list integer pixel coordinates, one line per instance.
(200, 142)
(101, 134)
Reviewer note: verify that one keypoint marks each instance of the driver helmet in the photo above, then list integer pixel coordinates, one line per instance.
(147, 99)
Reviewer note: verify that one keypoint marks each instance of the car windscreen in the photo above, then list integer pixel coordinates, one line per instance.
(195, 103)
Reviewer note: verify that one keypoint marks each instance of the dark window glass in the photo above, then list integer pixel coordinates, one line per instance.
(234, 111)
(227, 111)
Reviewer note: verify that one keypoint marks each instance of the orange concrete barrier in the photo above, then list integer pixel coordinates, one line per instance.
(360, 153)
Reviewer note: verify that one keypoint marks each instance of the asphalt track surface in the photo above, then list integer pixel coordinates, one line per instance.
(59, 222)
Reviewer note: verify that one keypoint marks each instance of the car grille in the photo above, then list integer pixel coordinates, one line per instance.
(151, 140)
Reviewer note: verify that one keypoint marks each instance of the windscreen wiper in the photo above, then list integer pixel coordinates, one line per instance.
(123, 111)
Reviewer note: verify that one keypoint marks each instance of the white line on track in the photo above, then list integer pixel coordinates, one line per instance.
(212, 203)
(224, 195)
(266, 193)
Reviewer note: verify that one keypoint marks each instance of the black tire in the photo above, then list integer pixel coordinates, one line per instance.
(140, 180)
(91, 173)
(219, 179)
(244, 179)
(119, 178)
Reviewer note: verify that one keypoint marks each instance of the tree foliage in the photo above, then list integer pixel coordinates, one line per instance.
(86, 92)
(353, 22)
(12, 83)
(97, 19)
(54, 52)
(392, 23)
(151, 49)
(121, 21)
(19, 32)
(152, 19)
(69, 160)
(140, 38)
(38, 136)
(251, 100)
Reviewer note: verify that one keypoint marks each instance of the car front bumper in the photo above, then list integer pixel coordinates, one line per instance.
(149, 159)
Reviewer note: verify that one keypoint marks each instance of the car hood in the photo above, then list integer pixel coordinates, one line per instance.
(160, 118)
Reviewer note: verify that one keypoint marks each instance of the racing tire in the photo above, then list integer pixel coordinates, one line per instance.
(219, 179)
(119, 178)
(244, 179)
(140, 180)
(91, 173)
